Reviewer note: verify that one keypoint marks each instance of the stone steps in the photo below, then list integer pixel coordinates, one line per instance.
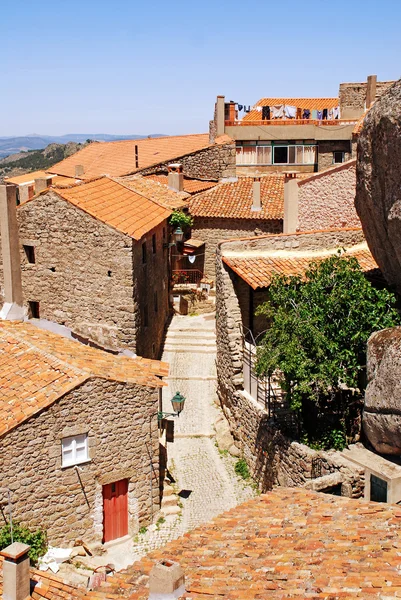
(190, 349)
(189, 333)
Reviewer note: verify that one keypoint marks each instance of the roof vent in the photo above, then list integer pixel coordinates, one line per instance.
(79, 171)
(166, 581)
(256, 203)
(175, 177)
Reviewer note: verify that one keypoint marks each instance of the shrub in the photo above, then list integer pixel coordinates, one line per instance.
(37, 540)
(241, 468)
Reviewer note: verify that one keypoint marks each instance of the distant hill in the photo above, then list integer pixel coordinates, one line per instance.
(35, 160)
(12, 145)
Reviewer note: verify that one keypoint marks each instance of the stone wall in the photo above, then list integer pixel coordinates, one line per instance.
(214, 230)
(273, 458)
(67, 502)
(326, 200)
(325, 151)
(90, 278)
(213, 162)
(353, 97)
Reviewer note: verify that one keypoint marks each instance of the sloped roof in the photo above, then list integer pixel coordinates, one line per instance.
(359, 124)
(288, 543)
(258, 270)
(118, 158)
(116, 205)
(191, 186)
(233, 199)
(304, 103)
(27, 177)
(156, 191)
(37, 367)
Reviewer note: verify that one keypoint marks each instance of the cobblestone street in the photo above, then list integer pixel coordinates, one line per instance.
(204, 477)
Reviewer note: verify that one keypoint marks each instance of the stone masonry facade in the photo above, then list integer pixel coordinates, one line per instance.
(326, 200)
(67, 501)
(213, 230)
(273, 458)
(90, 277)
(212, 163)
(326, 149)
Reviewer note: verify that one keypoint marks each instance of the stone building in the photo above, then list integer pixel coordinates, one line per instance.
(94, 259)
(236, 209)
(200, 158)
(79, 444)
(304, 134)
(256, 412)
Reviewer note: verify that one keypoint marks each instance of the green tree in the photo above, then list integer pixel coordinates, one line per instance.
(37, 540)
(318, 327)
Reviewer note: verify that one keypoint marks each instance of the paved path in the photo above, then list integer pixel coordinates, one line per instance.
(204, 476)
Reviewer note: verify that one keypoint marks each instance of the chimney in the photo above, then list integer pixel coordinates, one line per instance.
(256, 202)
(16, 577)
(166, 581)
(371, 90)
(13, 309)
(40, 184)
(175, 177)
(79, 171)
(220, 116)
(290, 224)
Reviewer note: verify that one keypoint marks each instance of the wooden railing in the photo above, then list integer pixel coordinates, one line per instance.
(318, 122)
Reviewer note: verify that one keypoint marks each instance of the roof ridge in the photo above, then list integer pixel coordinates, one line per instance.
(138, 193)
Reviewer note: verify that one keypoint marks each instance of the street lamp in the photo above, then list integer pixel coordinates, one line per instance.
(178, 234)
(177, 401)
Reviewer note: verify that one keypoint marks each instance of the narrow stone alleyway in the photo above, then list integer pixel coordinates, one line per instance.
(205, 479)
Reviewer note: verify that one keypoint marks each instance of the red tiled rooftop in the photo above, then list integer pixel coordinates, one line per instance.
(258, 271)
(116, 205)
(191, 186)
(288, 543)
(37, 367)
(118, 158)
(233, 200)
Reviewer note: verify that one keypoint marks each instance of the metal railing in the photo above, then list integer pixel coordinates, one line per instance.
(318, 122)
(266, 390)
(181, 276)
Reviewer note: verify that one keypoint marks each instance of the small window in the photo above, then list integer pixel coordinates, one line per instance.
(378, 489)
(30, 253)
(145, 316)
(144, 253)
(34, 312)
(74, 450)
(280, 155)
(155, 300)
(338, 157)
(154, 243)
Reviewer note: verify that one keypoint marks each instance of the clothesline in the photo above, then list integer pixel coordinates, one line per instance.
(289, 111)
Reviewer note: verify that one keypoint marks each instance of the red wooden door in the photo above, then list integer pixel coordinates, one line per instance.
(115, 510)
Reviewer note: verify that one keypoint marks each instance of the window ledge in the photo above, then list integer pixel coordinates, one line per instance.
(75, 464)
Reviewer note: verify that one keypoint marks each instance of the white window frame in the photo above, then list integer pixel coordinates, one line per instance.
(78, 442)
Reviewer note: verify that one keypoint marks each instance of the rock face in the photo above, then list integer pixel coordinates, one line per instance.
(378, 192)
(382, 412)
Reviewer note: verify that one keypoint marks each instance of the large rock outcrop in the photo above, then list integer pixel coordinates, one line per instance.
(378, 192)
(382, 412)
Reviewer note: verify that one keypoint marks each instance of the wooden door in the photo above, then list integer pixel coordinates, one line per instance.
(115, 510)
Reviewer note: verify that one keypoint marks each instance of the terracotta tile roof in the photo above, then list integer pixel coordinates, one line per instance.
(37, 367)
(191, 186)
(118, 158)
(258, 270)
(288, 543)
(156, 191)
(116, 205)
(233, 200)
(28, 177)
(310, 103)
(45, 585)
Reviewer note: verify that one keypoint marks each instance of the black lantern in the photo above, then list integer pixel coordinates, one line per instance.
(178, 401)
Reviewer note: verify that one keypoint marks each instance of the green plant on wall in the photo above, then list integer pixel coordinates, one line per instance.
(37, 540)
(180, 219)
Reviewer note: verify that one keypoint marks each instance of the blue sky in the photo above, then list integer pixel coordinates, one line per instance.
(125, 66)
